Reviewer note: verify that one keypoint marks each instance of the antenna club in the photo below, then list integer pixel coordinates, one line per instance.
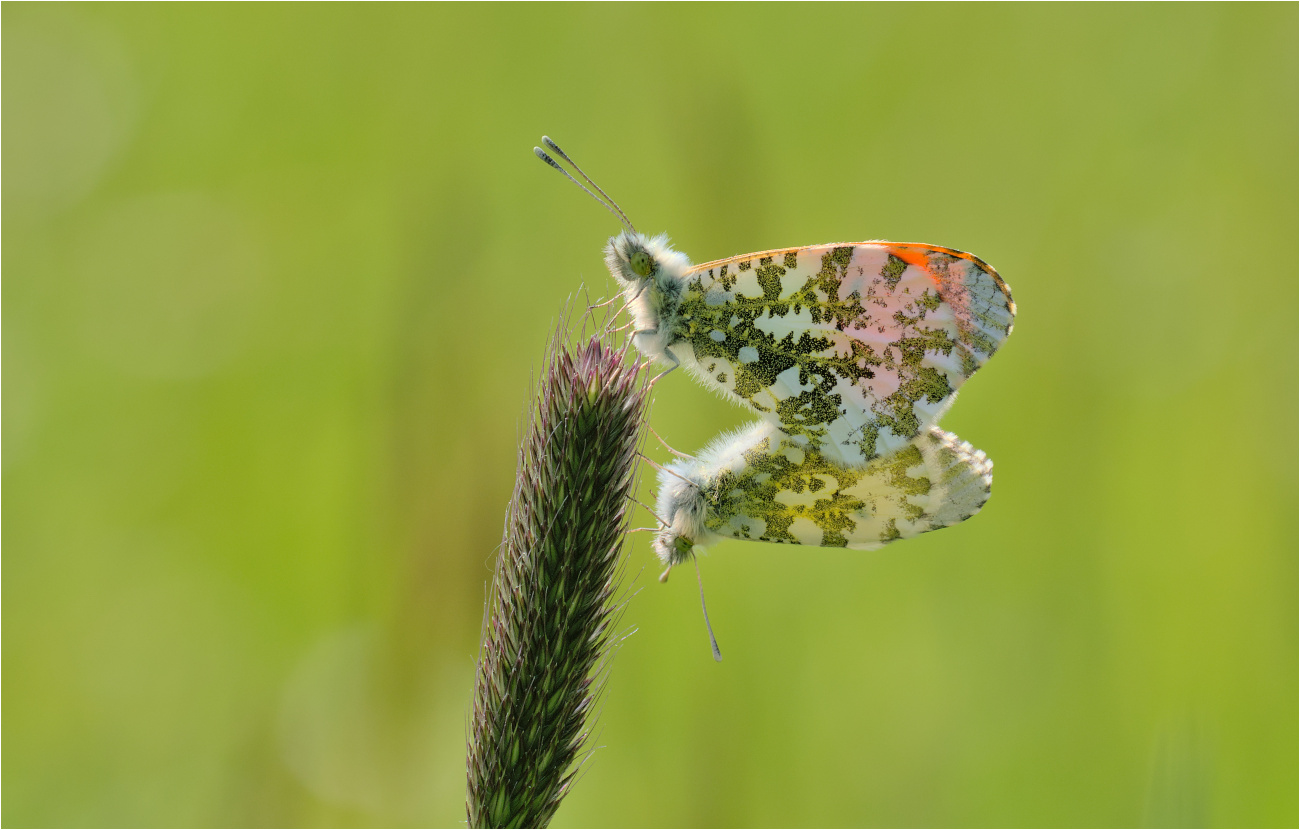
(603, 198)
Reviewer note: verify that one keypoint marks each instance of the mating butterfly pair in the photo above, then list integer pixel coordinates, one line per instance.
(849, 354)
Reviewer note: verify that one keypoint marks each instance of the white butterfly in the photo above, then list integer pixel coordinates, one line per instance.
(855, 348)
(761, 484)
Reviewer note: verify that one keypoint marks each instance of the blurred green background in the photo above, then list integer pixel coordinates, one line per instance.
(276, 277)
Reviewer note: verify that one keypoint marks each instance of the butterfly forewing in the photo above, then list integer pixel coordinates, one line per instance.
(855, 347)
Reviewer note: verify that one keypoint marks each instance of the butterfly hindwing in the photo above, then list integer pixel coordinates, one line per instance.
(854, 347)
(761, 485)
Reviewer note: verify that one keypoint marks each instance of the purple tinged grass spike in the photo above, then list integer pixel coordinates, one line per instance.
(548, 635)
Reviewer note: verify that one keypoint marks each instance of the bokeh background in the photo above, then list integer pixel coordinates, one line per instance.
(274, 281)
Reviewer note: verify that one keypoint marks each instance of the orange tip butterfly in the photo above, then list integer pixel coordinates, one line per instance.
(855, 348)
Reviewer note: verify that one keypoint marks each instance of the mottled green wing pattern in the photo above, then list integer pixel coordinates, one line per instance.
(781, 492)
(853, 348)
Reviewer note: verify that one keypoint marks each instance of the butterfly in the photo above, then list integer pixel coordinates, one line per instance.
(760, 484)
(853, 348)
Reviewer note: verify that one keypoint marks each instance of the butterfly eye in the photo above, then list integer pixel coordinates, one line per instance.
(642, 263)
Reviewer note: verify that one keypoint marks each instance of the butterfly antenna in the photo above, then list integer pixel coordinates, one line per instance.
(713, 641)
(541, 154)
(551, 145)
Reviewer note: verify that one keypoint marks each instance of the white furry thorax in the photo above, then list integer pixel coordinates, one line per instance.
(683, 485)
(652, 300)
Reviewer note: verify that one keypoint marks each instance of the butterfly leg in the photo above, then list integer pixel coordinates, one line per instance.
(664, 373)
(665, 443)
(600, 314)
(667, 354)
(662, 523)
(661, 468)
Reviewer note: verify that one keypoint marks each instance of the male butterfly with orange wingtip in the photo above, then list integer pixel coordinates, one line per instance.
(855, 348)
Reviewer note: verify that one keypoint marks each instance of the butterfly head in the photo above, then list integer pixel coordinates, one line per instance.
(671, 548)
(638, 261)
(682, 505)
